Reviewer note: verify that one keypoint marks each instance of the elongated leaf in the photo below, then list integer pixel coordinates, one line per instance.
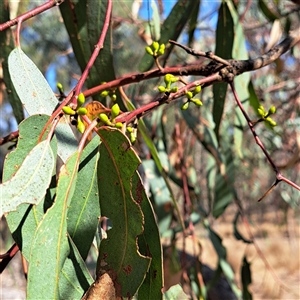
(254, 101)
(193, 23)
(31, 86)
(241, 82)
(84, 209)
(223, 264)
(246, 279)
(224, 43)
(204, 134)
(118, 254)
(224, 192)
(75, 278)
(50, 246)
(159, 181)
(96, 11)
(236, 232)
(38, 98)
(269, 14)
(74, 13)
(160, 194)
(149, 244)
(171, 29)
(31, 181)
(24, 220)
(7, 45)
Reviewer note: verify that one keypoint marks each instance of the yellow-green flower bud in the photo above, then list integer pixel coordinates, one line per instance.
(104, 118)
(197, 90)
(81, 111)
(68, 110)
(149, 50)
(60, 87)
(115, 110)
(80, 100)
(174, 89)
(155, 46)
(113, 97)
(104, 94)
(161, 49)
(197, 102)
(271, 121)
(185, 105)
(132, 138)
(129, 129)
(261, 112)
(272, 110)
(119, 125)
(189, 95)
(80, 126)
(161, 88)
(168, 78)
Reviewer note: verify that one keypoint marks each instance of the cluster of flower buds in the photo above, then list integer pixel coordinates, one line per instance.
(169, 79)
(79, 111)
(156, 49)
(265, 115)
(110, 93)
(110, 121)
(190, 95)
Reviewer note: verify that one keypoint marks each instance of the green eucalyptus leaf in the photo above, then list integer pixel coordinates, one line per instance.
(246, 279)
(24, 220)
(149, 244)
(50, 246)
(224, 44)
(75, 277)
(6, 46)
(171, 29)
(75, 19)
(30, 182)
(117, 165)
(193, 23)
(269, 14)
(84, 209)
(38, 98)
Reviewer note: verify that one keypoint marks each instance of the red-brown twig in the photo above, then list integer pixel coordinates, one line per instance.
(30, 14)
(129, 117)
(208, 54)
(97, 49)
(9, 137)
(8, 256)
(76, 91)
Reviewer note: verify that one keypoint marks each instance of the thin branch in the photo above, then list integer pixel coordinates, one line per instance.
(141, 111)
(291, 40)
(279, 176)
(30, 14)
(8, 256)
(235, 67)
(9, 137)
(208, 54)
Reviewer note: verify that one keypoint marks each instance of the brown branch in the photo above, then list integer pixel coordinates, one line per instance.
(226, 73)
(30, 14)
(9, 137)
(242, 66)
(8, 256)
